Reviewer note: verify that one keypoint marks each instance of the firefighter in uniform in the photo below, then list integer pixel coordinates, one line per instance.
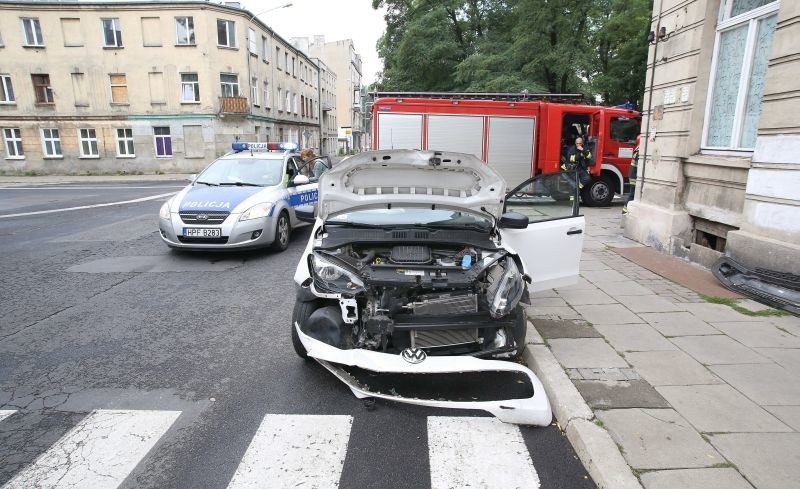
(578, 158)
(632, 174)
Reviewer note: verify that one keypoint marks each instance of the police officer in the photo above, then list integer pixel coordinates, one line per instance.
(578, 158)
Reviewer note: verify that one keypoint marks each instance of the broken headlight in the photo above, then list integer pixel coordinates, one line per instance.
(505, 289)
(332, 277)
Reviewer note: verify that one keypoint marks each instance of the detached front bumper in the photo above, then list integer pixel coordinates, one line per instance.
(368, 374)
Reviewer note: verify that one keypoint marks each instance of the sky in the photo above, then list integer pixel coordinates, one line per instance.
(335, 19)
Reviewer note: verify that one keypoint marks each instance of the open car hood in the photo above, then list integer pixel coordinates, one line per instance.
(402, 176)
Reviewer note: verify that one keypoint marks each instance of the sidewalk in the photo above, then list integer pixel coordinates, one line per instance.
(694, 394)
(55, 179)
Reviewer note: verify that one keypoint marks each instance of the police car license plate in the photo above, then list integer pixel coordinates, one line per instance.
(202, 232)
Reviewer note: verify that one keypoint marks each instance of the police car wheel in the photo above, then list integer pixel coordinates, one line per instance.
(300, 314)
(283, 230)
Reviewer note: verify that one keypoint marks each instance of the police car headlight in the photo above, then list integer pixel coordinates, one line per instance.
(164, 212)
(506, 288)
(256, 212)
(333, 278)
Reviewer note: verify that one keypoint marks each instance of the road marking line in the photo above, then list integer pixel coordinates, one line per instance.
(4, 413)
(65, 209)
(99, 452)
(291, 451)
(478, 452)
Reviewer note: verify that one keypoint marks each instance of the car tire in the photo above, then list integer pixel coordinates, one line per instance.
(598, 193)
(283, 231)
(302, 311)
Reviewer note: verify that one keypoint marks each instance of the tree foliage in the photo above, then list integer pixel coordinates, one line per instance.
(557, 46)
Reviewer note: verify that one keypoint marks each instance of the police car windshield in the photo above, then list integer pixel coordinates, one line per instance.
(245, 171)
(413, 216)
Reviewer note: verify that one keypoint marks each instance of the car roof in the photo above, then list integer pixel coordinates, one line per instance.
(257, 155)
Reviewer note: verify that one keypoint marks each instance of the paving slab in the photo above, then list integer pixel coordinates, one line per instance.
(719, 409)
(670, 368)
(560, 328)
(725, 478)
(600, 394)
(623, 288)
(605, 374)
(648, 303)
(786, 357)
(634, 337)
(678, 324)
(552, 312)
(768, 384)
(717, 349)
(788, 414)
(581, 297)
(548, 302)
(600, 456)
(608, 314)
(717, 313)
(604, 276)
(658, 439)
(768, 460)
(544, 293)
(585, 353)
(582, 283)
(593, 265)
(758, 334)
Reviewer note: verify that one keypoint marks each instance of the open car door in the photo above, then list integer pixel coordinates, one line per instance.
(550, 246)
(596, 141)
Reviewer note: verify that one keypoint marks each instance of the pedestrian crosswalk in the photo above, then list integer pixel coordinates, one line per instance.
(286, 451)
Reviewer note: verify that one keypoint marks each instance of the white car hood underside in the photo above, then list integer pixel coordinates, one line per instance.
(399, 177)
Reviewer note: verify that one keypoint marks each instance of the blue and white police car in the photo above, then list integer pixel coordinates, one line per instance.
(245, 199)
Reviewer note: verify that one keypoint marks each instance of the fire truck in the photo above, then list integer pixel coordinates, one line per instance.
(520, 135)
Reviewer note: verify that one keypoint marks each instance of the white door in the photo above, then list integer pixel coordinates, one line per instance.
(399, 131)
(550, 246)
(458, 133)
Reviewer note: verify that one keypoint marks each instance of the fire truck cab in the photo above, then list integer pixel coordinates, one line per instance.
(520, 135)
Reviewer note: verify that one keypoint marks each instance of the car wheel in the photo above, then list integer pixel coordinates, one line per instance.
(599, 192)
(283, 229)
(300, 314)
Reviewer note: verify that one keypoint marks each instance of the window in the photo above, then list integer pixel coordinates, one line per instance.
(293, 72)
(252, 46)
(294, 103)
(51, 143)
(302, 106)
(254, 90)
(286, 62)
(264, 49)
(112, 33)
(226, 33)
(151, 32)
(119, 89)
(13, 139)
(125, 143)
(71, 32)
(288, 105)
(88, 143)
(624, 129)
(278, 58)
(184, 31)
(32, 31)
(163, 142)
(741, 53)
(42, 89)
(190, 88)
(229, 84)
(266, 95)
(79, 89)
(280, 99)
(6, 90)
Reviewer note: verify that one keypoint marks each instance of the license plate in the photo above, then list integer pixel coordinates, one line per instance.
(202, 233)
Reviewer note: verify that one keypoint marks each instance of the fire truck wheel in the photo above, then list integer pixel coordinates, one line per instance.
(599, 192)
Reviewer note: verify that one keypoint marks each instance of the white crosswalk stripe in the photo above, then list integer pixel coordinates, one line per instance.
(295, 451)
(4, 413)
(478, 452)
(98, 453)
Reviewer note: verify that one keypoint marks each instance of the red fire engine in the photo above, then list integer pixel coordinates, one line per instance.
(520, 135)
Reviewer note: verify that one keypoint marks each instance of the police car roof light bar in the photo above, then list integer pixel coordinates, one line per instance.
(238, 147)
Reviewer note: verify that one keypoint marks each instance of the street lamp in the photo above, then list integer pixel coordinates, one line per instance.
(286, 5)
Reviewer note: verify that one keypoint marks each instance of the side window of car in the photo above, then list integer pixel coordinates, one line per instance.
(291, 170)
(318, 167)
(545, 197)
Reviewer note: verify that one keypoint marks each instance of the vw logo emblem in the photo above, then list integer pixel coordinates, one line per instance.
(414, 355)
(202, 217)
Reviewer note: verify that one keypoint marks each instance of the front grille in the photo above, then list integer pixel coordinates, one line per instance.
(444, 304)
(447, 337)
(222, 240)
(204, 217)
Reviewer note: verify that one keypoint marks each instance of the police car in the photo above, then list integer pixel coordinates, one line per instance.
(245, 199)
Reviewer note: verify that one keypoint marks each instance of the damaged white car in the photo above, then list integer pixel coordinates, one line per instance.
(412, 285)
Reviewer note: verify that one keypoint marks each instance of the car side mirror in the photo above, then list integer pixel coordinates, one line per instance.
(514, 220)
(305, 213)
(301, 180)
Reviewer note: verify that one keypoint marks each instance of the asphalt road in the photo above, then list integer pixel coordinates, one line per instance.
(98, 315)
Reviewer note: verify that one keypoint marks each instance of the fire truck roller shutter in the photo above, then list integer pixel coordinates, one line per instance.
(511, 147)
(399, 131)
(458, 133)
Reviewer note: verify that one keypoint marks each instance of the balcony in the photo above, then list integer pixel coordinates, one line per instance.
(233, 106)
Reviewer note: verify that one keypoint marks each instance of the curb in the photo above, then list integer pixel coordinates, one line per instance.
(593, 444)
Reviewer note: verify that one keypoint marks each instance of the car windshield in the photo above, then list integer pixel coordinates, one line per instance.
(245, 171)
(413, 216)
